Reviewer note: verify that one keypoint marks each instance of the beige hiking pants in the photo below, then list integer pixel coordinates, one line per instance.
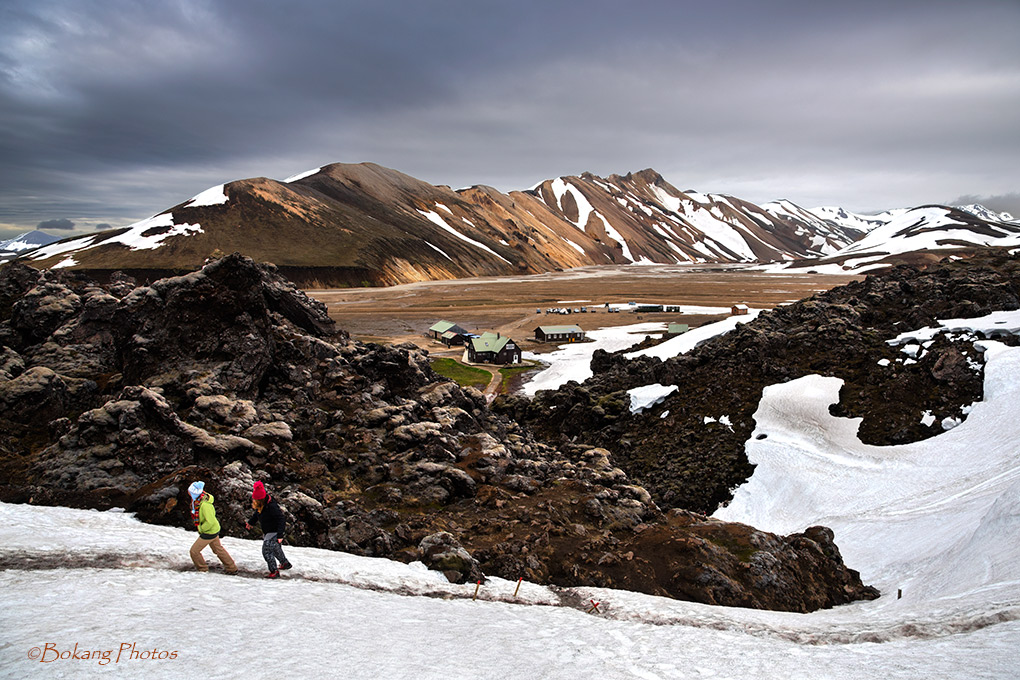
(218, 550)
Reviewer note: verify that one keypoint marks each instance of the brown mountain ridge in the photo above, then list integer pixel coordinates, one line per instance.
(363, 224)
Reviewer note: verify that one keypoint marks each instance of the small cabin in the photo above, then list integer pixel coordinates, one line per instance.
(440, 328)
(675, 329)
(739, 310)
(493, 348)
(559, 334)
(453, 338)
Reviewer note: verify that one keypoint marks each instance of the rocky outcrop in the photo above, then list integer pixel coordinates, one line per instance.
(122, 395)
(688, 451)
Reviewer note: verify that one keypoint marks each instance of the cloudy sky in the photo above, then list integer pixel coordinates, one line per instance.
(114, 110)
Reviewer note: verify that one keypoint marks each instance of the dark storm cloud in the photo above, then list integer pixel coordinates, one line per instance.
(113, 110)
(56, 224)
(103, 226)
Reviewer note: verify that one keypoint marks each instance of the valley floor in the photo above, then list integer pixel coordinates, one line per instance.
(515, 305)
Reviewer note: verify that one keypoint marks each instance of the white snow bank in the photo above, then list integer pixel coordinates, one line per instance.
(992, 325)
(936, 518)
(573, 361)
(216, 195)
(684, 343)
(647, 396)
(302, 175)
(145, 235)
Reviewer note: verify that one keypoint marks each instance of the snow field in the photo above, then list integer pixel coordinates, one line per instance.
(684, 343)
(936, 519)
(417, 625)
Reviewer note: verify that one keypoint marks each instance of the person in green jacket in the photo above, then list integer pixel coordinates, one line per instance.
(204, 516)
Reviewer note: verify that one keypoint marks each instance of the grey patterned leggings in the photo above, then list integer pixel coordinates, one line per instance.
(272, 551)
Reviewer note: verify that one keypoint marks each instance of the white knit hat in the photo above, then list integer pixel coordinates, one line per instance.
(196, 489)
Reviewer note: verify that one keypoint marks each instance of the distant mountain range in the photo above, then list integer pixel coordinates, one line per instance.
(23, 243)
(364, 224)
(914, 236)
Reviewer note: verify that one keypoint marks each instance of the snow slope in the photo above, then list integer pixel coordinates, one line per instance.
(148, 234)
(573, 361)
(684, 343)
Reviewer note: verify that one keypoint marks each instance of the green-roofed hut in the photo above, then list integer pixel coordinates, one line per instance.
(559, 334)
(440, 327)
(676, 329)
(493, 348)
(451, 338)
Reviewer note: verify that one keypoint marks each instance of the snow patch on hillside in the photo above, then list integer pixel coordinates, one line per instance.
(573, 361)
(616, 236)
(302, 175)
(646, 396)
(718, 231)
(441, 223)
(145, 235)
(685, 342)
(216, 195)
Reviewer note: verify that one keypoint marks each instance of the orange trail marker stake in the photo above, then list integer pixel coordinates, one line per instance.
(518, 586)
(477, 586)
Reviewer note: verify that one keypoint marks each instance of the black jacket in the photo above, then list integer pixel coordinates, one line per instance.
(270, 519)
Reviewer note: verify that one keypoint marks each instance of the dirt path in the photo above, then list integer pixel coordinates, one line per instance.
(492, 389)
(21, 560)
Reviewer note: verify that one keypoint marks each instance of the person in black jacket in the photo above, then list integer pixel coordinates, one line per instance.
(270, 518)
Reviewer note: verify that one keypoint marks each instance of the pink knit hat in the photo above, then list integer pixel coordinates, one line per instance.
(258, 492)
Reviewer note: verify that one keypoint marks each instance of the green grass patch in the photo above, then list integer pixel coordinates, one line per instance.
(465, 376)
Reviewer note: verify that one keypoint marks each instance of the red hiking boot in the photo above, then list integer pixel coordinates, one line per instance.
(273, 574)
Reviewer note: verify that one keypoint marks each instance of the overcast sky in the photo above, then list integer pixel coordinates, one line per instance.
(114, 110)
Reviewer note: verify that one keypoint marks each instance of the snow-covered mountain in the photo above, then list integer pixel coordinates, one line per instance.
(365, 223)
(910, 235)
(856, 221)
(984, 213)
(345, 224)
(25, 242)
(653, 222)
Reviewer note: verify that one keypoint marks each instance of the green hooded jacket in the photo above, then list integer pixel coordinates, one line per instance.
(208, 525)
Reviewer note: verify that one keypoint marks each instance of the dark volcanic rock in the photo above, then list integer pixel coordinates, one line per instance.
(442, 552)
(690, 459)
(121, 395)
